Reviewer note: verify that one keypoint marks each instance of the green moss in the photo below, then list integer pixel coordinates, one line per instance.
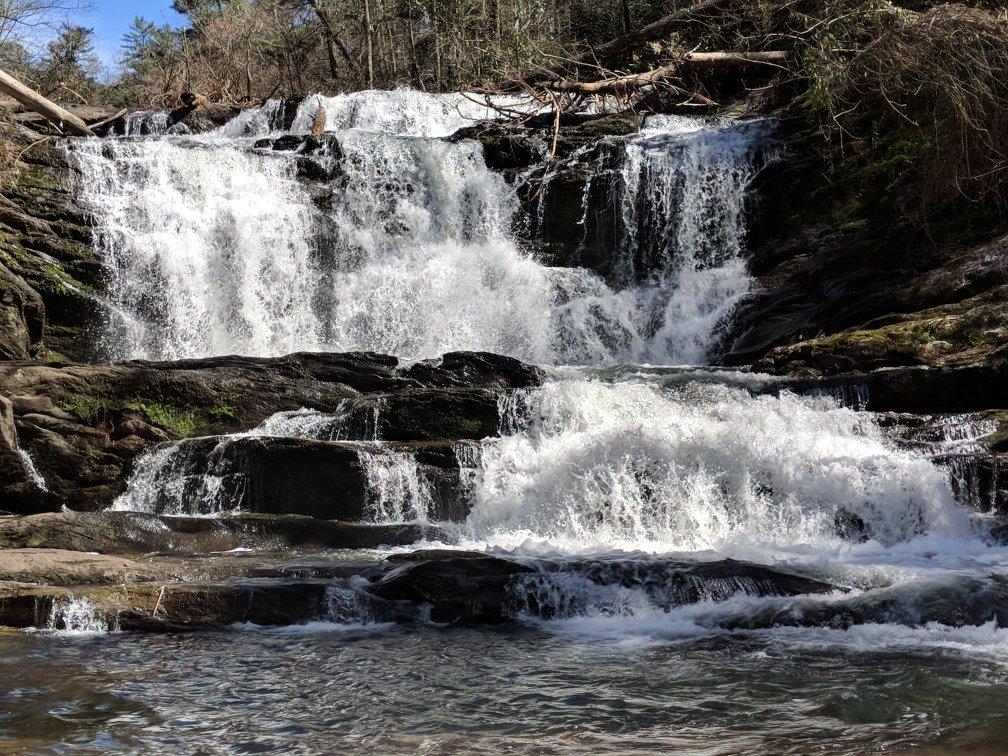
(52, 356)
(468, 427)
(54, 278)
(223, 413)
(84, 407)
(182, 423)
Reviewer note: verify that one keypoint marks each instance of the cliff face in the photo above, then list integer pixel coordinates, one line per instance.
(49, 275)
(851, 292)
(851, 277)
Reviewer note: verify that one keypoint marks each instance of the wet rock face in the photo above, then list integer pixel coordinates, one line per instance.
(83, 425)
(330, 480)
(48, 271)
(850, 280)
(465, 589)
(445, 587)
(318, 156)
(135, 533)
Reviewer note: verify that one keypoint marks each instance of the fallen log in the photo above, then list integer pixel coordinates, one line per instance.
(109, 119)
(61, 118)
(778, 57)
(614, 83)
(668, 72)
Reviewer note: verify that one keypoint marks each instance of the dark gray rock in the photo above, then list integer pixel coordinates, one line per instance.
(85, 424)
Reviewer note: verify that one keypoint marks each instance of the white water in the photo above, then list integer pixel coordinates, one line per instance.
(76, 616)
(595, 466)
(404, 111)
(213, 248)
(205, 248)
(33, 474)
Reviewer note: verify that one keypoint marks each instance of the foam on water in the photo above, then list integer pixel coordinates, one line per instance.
(630, 465)
(214, 248)
(649, 627)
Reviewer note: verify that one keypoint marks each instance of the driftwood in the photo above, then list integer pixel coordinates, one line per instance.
(668, 72)
(107, 120)
(63, 119)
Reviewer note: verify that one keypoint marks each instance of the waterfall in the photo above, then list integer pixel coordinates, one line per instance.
(397, 489)
(405, 246)
(207, 249)
(402, 111)
(214, 246)
(634, 465)
(678, 269)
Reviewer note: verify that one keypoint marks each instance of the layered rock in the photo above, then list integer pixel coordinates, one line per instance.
(48, 587)
(83, 425)
(855, 273)
(49, 274)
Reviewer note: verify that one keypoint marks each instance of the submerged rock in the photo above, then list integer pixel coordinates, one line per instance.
(468, 589)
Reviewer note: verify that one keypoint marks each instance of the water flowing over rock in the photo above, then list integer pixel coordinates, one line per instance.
(501, 353)
(406, 246)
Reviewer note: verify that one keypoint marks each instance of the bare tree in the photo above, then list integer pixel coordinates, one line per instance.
(20, 19)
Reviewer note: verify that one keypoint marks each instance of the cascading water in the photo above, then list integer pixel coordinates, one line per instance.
(206, 249)
(212, 247)
(595, 466)
(406, 247)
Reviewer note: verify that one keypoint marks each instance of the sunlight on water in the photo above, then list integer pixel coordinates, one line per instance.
(215, 248)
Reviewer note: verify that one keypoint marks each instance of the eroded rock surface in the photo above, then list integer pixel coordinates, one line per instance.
(83, 425)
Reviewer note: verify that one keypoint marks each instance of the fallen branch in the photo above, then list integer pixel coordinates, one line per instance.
(616, 83)
(668, 72)
(319, 121)
(109, 119)
(157, 605)
(771, 57)
(62, 119)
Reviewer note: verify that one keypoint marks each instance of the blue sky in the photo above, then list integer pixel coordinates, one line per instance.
(111, 18)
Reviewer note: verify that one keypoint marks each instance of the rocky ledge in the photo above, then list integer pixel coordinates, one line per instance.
(69, 434)
(199, 579)
(138, 572)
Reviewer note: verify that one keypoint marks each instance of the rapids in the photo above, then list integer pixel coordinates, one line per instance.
(215, 246)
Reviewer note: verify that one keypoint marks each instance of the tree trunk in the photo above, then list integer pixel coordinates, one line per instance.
(63, 119)
(333, 42)
(370, 44)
